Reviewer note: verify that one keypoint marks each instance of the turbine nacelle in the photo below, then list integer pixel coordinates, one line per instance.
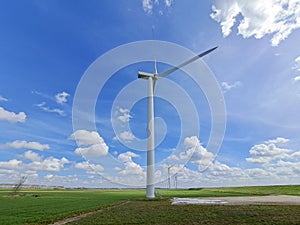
(145, 75)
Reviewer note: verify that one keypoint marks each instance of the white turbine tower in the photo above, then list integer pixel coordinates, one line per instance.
(152, 78)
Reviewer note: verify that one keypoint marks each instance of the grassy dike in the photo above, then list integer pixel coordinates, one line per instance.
(46, 206)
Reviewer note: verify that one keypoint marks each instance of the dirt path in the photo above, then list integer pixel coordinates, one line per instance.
(75, 218)
(242, 200)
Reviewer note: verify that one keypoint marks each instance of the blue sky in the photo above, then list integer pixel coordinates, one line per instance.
(47, 46)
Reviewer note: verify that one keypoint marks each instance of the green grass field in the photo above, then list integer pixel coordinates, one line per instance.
(46, 206)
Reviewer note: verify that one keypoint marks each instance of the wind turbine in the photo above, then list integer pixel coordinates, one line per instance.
(152, 79)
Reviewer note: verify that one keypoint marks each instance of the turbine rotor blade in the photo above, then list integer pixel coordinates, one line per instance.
(154, 83)
(167, 72)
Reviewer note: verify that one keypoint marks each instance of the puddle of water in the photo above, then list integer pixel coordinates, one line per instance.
(196, 201)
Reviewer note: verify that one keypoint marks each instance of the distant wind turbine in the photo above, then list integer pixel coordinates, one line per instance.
(152, 79)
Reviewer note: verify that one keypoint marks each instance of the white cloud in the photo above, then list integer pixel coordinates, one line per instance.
(227, 18)
(62, 97)
(117, 168)
(49, 176)
(294, 166)
(200, 156)
(34, 157)
(227, 86)
(131, 168)
(218, 166)
(93, 150)
(259, 18)
(148, 5)
(127, 157)
(85, 137)
(90, 143)
(168, 3)
(278, 140)
(296, 79)
(42, 95)
(88, 167)
(2, 99)
(126, 136)
(268, 151)
(195, 153)
(295, 155)
(68, 180)
(48, 164)
(11, 116)
(25, 145)
(48, 109)
(297, 67)
(11, 164)
(125, 116)
(297, 64)
(36, 164)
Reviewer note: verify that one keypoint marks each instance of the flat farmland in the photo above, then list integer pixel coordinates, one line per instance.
(131, 207)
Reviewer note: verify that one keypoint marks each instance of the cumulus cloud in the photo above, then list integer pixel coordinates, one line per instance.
(85, 137)
(148, 5)
(48, 164)
(11, 164)
(278, 18)
(25, 145)
(62, 97)
(268, 151)
(60, 180)
(36, 164)
(194, 153)
(296, 79)
(49, 176)
(126, 136)
(168, 3)
(297, 68)
(93, 150)
(227, 86)
(51, 110)
(131, 168)
(90, 143)
(127, 157)
(32, 156)
(197, 153)
(275, 164)
(2, 99)
(124, 115)
(89, 167)
(12, 117)
(293, 166)
(226, 16)
(278, 140)
(297, 64)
